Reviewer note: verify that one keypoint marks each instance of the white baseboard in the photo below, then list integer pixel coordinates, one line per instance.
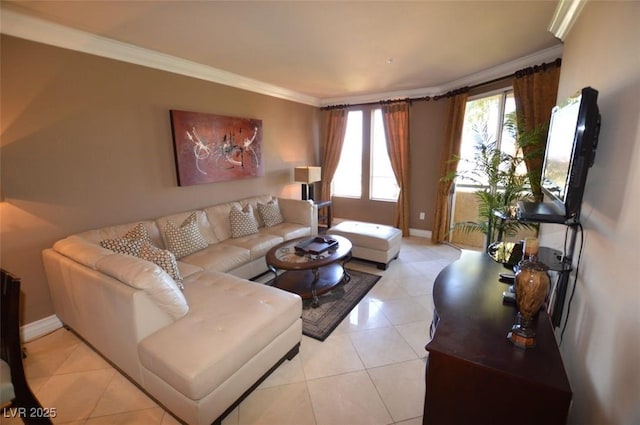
(40, 328)
(420, 233)
(412, 232)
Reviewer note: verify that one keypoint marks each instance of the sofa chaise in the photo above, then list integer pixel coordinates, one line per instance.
(167, 301)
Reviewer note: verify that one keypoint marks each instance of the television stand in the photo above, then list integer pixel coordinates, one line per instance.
(474, 374)
(563, 280)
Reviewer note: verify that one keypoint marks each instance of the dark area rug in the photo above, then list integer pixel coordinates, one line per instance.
(335, 305)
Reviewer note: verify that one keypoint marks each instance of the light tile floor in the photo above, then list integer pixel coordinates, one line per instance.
(369, 371)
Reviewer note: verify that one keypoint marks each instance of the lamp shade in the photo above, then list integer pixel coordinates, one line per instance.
(307, 174)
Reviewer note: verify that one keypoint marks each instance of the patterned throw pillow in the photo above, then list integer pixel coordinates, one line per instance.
(123, 246)
(186, 239)
(130, 243)
(139, 232)
(163, 258)
(243, 223)
(270, 213)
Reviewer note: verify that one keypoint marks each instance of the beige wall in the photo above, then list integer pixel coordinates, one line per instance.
(86, 142)
(601, 345)
(427, 127)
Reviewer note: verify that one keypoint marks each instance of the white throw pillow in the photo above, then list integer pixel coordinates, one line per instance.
(243, 223)
(186, 239)
(138, 232)
(130, 243)
(270, 213)
(123, 246)
(163, 258)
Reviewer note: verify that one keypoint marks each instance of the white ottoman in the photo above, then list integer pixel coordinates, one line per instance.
(372, 242)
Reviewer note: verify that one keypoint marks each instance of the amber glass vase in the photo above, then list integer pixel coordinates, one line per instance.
(532, 287)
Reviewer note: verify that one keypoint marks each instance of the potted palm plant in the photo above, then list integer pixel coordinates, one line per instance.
(501, 180)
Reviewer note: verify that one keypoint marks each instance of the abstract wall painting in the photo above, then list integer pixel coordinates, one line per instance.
(214, 148)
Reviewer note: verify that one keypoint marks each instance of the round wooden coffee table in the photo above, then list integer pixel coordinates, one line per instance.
(309, 275)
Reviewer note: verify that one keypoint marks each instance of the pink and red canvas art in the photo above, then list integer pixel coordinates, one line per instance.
(214, 148)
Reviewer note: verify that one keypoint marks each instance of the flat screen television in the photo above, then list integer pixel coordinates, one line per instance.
(571, 149)
(571, 146)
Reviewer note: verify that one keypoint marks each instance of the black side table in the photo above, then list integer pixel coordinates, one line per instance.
(324, 218)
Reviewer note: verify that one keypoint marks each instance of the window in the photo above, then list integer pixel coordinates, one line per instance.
(488, 149)
(347, 179)
(365, 134)
(484, 123)
(383, 186)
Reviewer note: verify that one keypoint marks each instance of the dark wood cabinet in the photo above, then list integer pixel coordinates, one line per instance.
(474, 374)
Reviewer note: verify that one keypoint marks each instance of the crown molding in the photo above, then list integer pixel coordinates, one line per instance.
(42, 31)
(505, 69)
(546, 55)
(565, 15)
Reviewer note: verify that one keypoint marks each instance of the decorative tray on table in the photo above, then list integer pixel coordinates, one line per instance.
(316, 245)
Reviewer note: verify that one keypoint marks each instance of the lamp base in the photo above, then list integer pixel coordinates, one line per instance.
(307, 191)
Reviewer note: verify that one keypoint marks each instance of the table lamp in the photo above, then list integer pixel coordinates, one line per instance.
(307, 176)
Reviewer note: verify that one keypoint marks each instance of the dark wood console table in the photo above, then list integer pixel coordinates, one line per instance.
(474, 374)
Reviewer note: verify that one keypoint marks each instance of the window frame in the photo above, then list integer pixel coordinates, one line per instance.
(499, 127)
(362, 146)
(372, 158)
(367, 158)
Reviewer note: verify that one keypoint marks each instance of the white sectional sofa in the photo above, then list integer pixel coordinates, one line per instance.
(197, 350)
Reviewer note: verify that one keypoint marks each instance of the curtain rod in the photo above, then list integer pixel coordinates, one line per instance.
(450, 93)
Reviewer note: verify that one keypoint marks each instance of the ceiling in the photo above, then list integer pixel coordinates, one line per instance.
(329, 52)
